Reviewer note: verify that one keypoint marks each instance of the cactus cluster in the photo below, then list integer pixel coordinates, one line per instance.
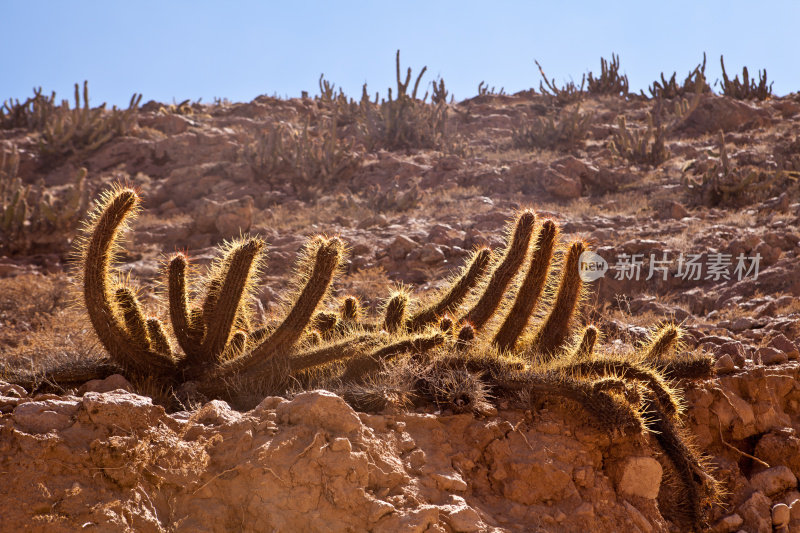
(403, 120)
(567, 94)
(64, 131)
(35, 218)
(564, 133)
(746, 89)
(669, 88)
(725, 183)
(505, 326)
(648, 146)
(312, 157)
(84, 128)
(485, 90)
(609, 82)
(32, 114)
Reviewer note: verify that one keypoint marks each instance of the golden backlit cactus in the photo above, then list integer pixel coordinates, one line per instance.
(530, 290)
(554, 331)
(127, 348)
(584, 350)
(215, 332)
(504, 272)
(662, 342)
(395, 313)
(495, 346)
(458, 291)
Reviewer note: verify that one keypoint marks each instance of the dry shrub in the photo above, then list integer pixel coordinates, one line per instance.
(566, 132)
(311, 159)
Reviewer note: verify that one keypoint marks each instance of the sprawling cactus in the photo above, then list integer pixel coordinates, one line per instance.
(471, 342)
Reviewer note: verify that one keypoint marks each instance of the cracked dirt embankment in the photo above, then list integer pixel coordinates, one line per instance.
(111, 461)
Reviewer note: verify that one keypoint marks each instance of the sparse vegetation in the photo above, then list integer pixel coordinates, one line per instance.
(642, 147)
(37, 218)
(310, 159)
(564, 133)
(723, 183)
(32, 114)
(403, 120)
(83, 128)
(609, 82)
(485, 90)
(64, 131)
(746, 89)
(669, 89)
(567, 94)
(648, 146)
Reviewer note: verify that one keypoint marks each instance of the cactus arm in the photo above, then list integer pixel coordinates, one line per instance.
(530, 290)
(516, 251)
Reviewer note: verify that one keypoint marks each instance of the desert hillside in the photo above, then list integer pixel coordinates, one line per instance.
(570, 308)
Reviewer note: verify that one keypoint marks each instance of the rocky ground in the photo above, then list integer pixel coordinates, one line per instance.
(102, 457)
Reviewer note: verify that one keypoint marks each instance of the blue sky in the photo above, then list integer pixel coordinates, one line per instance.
(177, 49)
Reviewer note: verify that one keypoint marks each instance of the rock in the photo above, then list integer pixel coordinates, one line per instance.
(736, 350)
(12, 391)
(741, 324)
(638, 518)
(794, 509)
(113, 382)
(228, 219)
(169, 123)
(415, 521)
(781, 343)
(121, 409)
(640, 477)
(379, 510)
(400, 247)
(769, 254)
(724, 365)
(677, 211)
(774, 480)
(320, 409)
(46, 415)
(235, 217)
(463, 518)
(377, 220)
(755, 512)
(734, 413)
(728, 524)
(715, 113)
(431, 254)
(770, 356)
(450, 482)
(585, 510)
(780, 447)
(217, 413)
(560, 185)
(781, 514)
